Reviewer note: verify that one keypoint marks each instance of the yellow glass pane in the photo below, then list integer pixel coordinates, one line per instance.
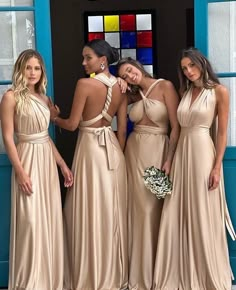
(111, 23)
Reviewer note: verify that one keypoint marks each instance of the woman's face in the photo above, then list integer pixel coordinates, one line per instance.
(190, 69)
(33, 71)
(91, 62)
(130, 74)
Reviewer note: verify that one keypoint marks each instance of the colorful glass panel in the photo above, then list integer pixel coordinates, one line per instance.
(111, 23)
(95, 35)
(127, 22)
(113, 39)
(128, 39)
(95, 24)
(144, 55)
(144, 38)
(130, 32)
(144, 22)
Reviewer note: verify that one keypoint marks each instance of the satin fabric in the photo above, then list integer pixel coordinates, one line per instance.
(192, 251)
(36, 247)
(95, 209)
(146, 146)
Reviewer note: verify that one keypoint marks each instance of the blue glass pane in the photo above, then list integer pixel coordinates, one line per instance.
(128, 39)
(112, 69)
(144, 55)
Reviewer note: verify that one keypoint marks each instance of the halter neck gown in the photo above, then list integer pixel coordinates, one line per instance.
(192, 251)
(96, 208)
(146, 146)
(36, 241)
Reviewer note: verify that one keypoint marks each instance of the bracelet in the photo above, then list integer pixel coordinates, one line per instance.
(54, 119)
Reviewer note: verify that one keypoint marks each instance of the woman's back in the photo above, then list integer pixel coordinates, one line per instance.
(99, 99)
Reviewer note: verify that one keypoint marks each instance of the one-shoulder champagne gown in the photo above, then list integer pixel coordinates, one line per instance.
(192, 251)
(96, 208)
(146, 146)
(36, 248)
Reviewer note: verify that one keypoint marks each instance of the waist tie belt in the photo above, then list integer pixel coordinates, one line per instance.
(105, 135)
(194, 130)
(36, 138)
(143, 129)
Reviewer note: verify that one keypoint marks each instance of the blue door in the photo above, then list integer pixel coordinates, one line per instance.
(23, 24)
(215, 36)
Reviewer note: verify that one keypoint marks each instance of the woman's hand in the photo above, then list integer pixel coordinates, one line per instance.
(68, 176)
(123, 85)
(24, 182)
(54, 111)
(166, 167)
(214, 179)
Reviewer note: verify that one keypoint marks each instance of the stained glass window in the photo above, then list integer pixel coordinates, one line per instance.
(132, 33)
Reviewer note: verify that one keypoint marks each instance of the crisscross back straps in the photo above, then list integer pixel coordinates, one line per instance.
(109, 82)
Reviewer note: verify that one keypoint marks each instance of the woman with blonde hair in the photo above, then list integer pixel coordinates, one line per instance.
(36, 247)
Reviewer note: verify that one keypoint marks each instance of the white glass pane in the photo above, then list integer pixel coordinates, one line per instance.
(222, 36)
(230, 83)
(3, 89)
(113, 39)
(144, 21)
(17, 34)
(95, 24)
(128, 53)
(149, 69)
(16, 2)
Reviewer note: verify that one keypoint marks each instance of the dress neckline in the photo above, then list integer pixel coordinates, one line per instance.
(191, 103)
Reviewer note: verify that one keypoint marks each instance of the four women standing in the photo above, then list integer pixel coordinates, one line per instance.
(190, 249)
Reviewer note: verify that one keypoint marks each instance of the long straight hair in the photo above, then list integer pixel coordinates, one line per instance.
(208, 76)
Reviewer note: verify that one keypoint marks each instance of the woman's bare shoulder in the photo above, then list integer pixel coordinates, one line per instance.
(8, 95)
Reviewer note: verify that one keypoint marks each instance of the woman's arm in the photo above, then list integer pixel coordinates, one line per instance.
(78, 104)
(172, 101)
(222, 98)
(7, 108)
(122, 122)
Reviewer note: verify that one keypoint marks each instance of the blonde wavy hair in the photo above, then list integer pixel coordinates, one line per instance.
(19, 82)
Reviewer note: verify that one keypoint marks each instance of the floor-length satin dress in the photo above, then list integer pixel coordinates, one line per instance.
(36, 247)
(192, 249)
(96, 208)
(146, 146)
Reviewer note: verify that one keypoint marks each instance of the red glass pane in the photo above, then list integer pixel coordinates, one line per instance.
(127, 22)
(144, 39)
(95, 35)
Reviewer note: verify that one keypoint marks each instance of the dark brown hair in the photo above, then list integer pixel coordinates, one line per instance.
(209, 78)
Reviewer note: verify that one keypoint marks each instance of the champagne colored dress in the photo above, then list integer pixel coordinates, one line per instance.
(146, 146)
(192, 251)
(36, 248)
(96, 208)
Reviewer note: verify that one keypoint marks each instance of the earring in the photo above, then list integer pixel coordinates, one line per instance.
(102, 66)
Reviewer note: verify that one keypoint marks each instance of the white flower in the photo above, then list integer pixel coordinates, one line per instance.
(157, 182)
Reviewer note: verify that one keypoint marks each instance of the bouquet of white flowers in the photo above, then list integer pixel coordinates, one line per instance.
(157, 182)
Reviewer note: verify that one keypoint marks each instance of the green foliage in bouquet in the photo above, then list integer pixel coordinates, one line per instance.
(157, 182)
